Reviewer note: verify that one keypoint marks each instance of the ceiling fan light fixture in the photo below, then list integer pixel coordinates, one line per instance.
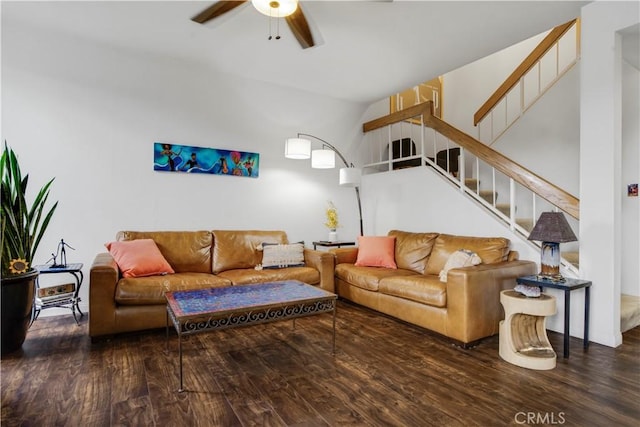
(275, 8)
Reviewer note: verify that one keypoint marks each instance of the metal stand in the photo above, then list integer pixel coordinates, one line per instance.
(71, 301)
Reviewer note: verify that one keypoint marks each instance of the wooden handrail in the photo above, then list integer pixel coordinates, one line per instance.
(537, 53)
(422, 109)
(543, 188)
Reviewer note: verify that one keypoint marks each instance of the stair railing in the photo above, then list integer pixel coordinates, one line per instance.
(553, 57)
(479, 171)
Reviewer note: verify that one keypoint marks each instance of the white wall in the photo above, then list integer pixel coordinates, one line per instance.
(467, 88)
(418, 200)
(88, 115)
(630, 211)
(546, 139)
(601, 185)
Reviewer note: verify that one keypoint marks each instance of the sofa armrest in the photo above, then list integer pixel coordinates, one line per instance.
(345, 255)
(473, 297)
(324, 262)
(104, 276)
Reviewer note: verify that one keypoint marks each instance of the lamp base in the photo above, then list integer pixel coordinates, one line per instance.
(550, 261)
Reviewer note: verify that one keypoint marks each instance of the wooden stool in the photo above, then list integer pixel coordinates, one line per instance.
(523, 336)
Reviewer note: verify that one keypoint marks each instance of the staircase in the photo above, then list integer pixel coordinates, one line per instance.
(559, 51)
(509, 191)
(491, 197)
(554, 56)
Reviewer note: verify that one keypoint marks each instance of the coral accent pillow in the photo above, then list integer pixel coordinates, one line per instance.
(139, 258)
(376, 251)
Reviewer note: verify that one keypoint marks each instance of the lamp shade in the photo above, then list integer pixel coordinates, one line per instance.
(552, 227)
(323, 159)
(297, 148)
(275, 8)
(350, 177)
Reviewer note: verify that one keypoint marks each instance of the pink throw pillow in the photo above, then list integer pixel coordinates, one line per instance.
(376, 251)
(139, 258)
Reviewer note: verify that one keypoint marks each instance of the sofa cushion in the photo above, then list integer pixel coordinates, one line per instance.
(150, 290)
(233, 249)
(489, 249)
(244, 276)
(413, 249)
(367, 277)
(139, 258)
(280, 256)
(423, 289)
(376, 251)
(458, 259)
(186, 251)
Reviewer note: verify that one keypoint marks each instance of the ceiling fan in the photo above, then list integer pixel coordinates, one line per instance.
(289, 9)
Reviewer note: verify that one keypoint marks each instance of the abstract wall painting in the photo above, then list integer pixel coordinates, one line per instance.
(185, 158)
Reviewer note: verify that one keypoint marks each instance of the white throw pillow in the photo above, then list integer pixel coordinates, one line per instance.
(458, 259)
(280, 256)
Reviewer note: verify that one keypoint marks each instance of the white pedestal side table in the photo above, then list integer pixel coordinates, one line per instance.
(523, 335)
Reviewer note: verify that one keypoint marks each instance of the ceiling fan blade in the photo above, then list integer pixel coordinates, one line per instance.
(217, 9)
(300, 28)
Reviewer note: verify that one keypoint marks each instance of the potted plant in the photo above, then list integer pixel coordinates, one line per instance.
(22, 227)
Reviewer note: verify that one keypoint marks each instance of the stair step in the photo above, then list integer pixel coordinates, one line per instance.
(505, 208)
(488, 195)
(471, 183)
(525, 223)
(572, 257)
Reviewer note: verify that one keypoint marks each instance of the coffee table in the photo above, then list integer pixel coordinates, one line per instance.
(201, 310)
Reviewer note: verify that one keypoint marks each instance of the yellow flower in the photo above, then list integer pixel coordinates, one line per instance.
(332, 217)
(18, 266)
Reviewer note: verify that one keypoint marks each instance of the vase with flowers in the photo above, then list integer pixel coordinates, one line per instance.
(332, 221)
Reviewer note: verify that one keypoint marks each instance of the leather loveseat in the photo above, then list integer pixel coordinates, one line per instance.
(200, 259)
(466, 307)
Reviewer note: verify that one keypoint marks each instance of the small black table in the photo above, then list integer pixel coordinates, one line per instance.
(567, 286)
(328, 244)
(70, 300)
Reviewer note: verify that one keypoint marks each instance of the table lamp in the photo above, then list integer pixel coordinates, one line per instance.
(551, 229)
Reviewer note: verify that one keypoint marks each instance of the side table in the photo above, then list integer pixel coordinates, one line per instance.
(523, 336)
(327, 244)
(61, 295)
(567, 286)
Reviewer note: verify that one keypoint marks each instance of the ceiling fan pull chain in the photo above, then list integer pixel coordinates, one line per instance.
(277, 26)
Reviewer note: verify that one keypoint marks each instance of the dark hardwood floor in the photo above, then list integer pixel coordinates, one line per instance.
(385, 372)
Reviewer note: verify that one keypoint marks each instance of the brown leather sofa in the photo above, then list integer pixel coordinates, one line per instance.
(465, 308)
(201, 259)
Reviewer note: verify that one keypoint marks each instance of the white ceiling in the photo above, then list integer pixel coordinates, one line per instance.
(366, 50)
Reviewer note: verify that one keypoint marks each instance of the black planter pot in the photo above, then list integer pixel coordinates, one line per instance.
(17, 308)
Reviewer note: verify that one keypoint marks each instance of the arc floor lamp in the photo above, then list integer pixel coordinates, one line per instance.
(324, 158)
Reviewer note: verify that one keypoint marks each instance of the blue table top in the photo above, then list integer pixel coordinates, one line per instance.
(215, 300)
